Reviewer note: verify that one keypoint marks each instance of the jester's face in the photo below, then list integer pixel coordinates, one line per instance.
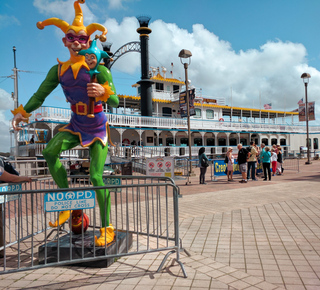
(76, 41)
(91, 60)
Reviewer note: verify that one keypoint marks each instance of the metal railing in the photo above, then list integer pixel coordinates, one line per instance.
(63, 115)
(144, 210)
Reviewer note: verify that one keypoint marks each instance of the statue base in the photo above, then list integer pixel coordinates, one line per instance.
(121, 244)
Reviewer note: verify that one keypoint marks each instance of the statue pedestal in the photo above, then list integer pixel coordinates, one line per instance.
(74, 251)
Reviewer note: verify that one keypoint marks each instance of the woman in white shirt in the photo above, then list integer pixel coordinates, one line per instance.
(230, 164)
(273, 160)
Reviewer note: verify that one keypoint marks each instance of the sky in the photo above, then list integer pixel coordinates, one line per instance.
(253, 50)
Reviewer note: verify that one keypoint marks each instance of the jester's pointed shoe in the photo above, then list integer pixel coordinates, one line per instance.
(63, 217)
(107, 235)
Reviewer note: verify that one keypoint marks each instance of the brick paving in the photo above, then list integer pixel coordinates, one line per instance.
(259, 235)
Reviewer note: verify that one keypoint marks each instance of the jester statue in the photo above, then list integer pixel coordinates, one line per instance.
(93, 131)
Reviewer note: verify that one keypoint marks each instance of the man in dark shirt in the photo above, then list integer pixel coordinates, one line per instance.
(243, 156)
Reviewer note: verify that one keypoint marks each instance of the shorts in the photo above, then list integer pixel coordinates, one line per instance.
(243, 167)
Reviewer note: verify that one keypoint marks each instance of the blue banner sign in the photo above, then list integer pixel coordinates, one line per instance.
(69, 200)
(220, 167)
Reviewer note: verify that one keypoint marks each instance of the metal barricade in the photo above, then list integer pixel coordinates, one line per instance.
(291, 164)
(143, 209)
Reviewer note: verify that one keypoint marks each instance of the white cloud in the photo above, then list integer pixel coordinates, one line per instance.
(63, 10)
(273, 70)
(5, 104)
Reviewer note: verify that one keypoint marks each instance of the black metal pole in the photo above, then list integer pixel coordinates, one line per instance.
(307, 123)
(145, 82)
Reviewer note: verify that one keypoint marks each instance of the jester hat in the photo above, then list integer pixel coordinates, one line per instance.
(93, 49)
(77, 24)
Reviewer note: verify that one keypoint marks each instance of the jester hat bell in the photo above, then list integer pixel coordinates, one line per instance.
(77, 24)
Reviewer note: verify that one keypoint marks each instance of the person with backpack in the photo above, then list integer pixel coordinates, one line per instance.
(243, 156)
(203, 164)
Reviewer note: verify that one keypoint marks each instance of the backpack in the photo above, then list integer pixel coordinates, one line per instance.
(226, 159)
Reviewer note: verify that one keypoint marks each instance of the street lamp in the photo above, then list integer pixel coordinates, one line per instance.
(185, 58)
(305, 77)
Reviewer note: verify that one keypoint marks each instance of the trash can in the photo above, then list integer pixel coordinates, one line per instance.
(182, 151)
(126, 169)
(166, 151)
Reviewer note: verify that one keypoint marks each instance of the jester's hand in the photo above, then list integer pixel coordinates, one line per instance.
(95, 90)
(16, 120)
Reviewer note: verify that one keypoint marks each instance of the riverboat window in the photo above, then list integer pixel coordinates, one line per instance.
(315, 143)
(175, 89)
(198, 141)
(210, 114)
(210, 142)
(159, 86)
(222, 142)
(168, 88)
(184, 141)
(283, 142)
(169, 141)
(274, 141)
(198, 113)
(233, 142)
(243, 141)
(265, 141)
(309, 143)
(166, 112)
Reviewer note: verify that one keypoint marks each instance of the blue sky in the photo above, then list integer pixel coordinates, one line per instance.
(253, 47)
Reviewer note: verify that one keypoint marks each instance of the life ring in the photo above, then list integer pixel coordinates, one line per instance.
(221, 120)
(126, 141)
(38, 117)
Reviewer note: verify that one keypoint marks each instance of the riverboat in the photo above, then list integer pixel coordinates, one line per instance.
(215, 126)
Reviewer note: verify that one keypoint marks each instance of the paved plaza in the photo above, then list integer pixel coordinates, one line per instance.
(258, 235)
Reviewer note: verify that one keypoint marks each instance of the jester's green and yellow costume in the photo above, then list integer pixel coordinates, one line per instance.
(82, 130)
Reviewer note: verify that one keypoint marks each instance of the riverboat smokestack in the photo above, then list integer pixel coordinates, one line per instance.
(145, 82)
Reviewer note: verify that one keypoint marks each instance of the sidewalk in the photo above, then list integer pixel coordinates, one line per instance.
(258, 235)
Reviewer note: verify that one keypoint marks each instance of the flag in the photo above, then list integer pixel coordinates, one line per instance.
(267, 106)
(295, 110)
(300, 101)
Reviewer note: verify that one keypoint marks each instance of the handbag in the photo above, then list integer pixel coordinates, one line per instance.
(226, 159)
(204, 163)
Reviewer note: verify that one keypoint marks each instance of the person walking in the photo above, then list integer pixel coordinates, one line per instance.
(230, 164)
(243, 156)
(266, 155)
(273, 161)
(203, 160)
(252, 162)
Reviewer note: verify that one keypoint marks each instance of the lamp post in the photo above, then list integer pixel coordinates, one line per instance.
(305, 77)
(185, 58)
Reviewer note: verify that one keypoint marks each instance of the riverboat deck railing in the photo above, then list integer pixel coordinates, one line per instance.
(63, 115)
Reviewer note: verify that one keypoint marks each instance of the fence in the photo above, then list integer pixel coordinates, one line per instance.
(291, 164)
(144, 213)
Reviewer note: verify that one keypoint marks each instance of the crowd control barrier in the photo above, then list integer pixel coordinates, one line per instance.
(144, 213)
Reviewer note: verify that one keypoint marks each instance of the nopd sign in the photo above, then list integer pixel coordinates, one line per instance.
(8, 188)
(69, 200)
